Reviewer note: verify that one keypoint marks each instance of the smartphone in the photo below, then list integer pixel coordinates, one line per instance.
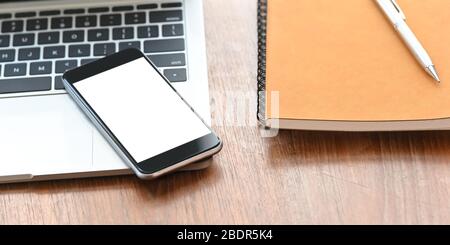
(140, 114)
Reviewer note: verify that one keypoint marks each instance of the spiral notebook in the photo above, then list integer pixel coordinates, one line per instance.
(340, 66)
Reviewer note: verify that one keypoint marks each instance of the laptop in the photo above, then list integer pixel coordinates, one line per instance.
(43, 134)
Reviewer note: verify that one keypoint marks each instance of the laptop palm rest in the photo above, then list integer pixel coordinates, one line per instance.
(54, 139)
(57, 141)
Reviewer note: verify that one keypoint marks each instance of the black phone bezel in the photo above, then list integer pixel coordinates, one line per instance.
(158, 162)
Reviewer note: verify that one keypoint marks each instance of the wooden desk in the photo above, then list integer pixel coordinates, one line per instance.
(295, 178)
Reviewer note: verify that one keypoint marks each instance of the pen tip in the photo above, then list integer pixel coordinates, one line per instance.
(432, 71)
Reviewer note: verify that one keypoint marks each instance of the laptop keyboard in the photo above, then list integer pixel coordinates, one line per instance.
(37, 47)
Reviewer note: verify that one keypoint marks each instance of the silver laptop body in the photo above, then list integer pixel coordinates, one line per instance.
(43, 134)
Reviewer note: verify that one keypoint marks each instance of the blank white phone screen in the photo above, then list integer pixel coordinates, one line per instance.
(141, 109)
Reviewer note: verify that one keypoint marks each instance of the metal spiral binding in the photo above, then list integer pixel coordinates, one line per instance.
(261, 76)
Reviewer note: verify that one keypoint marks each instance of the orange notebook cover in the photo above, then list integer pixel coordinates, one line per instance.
(333, 65)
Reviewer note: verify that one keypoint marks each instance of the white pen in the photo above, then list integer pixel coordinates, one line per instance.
(398, 19)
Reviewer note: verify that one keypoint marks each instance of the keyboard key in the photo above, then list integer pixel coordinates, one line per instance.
(147, 31)
(5, 16)
(80, 50)
(176, 75)
(86, 61)
(62, 22)
(122, 8)
(48, 37)
(4, 40)
(123, 33)
(63, 65)
(12, 26)
(7, 55)
(41, 68)
(37, 24)
(74, 11)
(125, 45)
(13, 70)
(25, 14)
(59, 83)
(135, 18)
(166, 16)
(98, 10)
(23, 39)
(98, 35)
(29, 53)
(25, 84)
(86, 21)
(167, 60)
(171, 5)
(148, 6)
(172, 30)
(103, 49)
(111, 20)
(53, 52)
(49, 12)
(166, 45)
(73, 36)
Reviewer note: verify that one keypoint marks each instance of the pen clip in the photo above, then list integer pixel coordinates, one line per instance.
(397, 7)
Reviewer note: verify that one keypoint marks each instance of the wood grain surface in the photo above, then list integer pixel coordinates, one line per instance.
(294, 178)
